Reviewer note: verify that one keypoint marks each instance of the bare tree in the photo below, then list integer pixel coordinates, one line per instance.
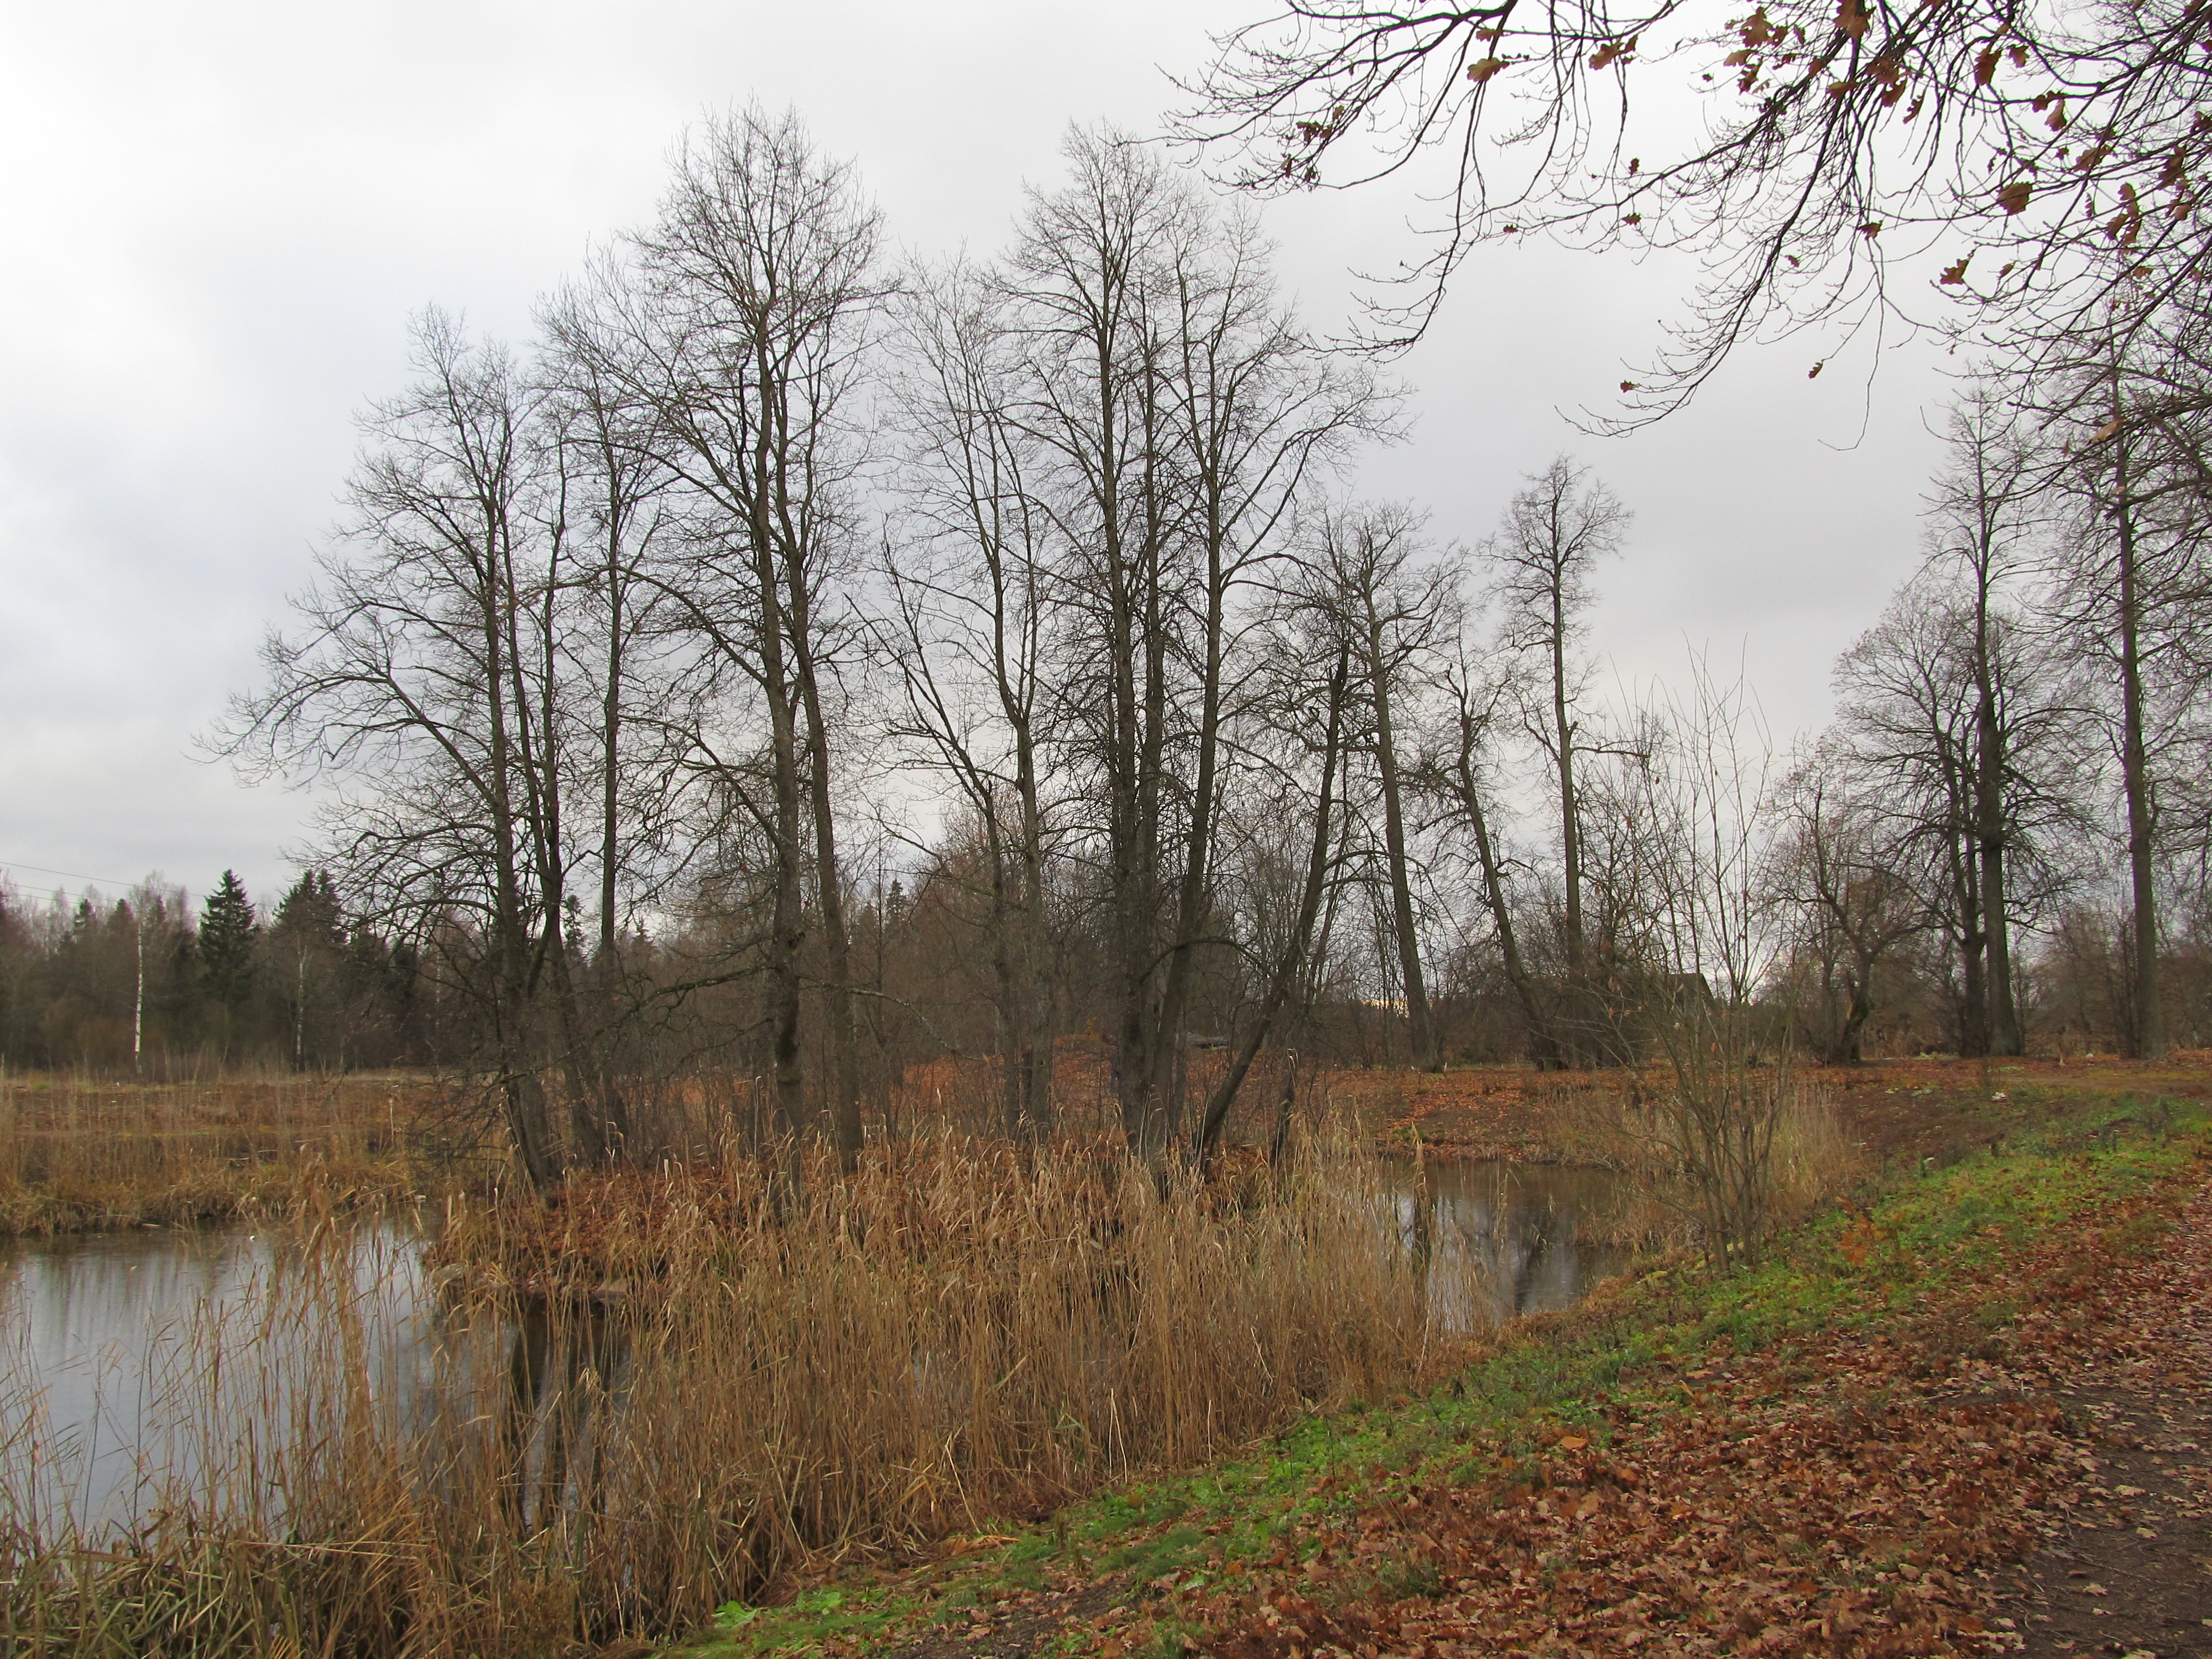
(1838, 875)
(1315, 662)
(2055, 151)
(1981, 513)
(1456, 771)
(609, 504)
(1905, 708)
(1696, 938)
(745, 333)
(2133, 583)
(425, 682)
(1554, 533)
(1397, 609)
(1182, 414)
(971, 586)
(1910, 721)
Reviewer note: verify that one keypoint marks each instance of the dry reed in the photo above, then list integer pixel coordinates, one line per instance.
(948, 1337)
(78, 1152)
(1634, 1129)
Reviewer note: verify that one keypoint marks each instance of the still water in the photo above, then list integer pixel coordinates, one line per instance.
(131, 1360)
(121, 1368)
(1504, 1239)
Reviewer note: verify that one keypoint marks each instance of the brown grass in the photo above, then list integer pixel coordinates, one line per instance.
(79, 1153)
(946, 1338)
(1812, 1160)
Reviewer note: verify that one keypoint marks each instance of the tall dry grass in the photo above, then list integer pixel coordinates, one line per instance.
(79, 1152)
(949, 1337)
(1643, 1128)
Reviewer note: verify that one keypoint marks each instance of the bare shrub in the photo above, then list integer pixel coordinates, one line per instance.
(1724, 1150)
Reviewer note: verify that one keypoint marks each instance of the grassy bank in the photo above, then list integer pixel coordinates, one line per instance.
(1590, 1479)
(78, 1153)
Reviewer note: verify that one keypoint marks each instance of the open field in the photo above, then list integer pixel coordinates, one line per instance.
(1929, 1107)
(79, 1153)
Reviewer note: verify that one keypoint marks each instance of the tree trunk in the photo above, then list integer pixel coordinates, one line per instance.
(1973, 1004)
(788, 927)
(2149, 1032)
(840, 1084)
(1295, 948)
(1570, 836)
(1190, 901)
(1427, 1056)
(2002, 1027)
(1849, 1047)
(1543, 1044)
(1037, 1052)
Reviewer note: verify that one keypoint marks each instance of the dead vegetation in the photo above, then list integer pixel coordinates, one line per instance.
(945, 1337)
(79, 1152)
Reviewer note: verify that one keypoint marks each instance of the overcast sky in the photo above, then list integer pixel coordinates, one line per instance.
(218, 220)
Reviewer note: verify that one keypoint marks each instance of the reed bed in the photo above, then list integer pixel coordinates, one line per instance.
(80, 1152)
(951, 1335)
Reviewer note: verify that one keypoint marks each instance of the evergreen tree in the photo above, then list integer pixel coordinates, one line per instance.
(306, 959)
(310, 912)
(227, 935)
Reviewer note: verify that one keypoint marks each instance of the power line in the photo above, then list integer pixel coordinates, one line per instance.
(74, 875)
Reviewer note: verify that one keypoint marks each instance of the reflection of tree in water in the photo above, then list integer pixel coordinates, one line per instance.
(520, 1397)
(1498, 1240)
(563, 1366)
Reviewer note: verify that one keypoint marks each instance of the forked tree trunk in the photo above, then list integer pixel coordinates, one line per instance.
(1419, 1026)
(1292, 965)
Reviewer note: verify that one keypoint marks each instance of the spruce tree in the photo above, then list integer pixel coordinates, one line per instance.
(228, 933)
(310, 913)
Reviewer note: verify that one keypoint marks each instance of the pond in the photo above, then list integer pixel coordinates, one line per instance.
(1506, 1239)
(123, 1373)
(137, 1365)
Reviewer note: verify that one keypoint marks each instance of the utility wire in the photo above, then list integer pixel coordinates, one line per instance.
(74, 875)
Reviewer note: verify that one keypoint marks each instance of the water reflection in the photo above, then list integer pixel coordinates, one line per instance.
(138, 1366)
(147, 1368)
(1501, 1239)
(127, 1354)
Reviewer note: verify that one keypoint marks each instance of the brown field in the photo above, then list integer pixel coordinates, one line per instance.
(1921, 1107)
(79, 1153)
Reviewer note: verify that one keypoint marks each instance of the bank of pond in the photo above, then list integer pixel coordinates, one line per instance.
(384, 1431)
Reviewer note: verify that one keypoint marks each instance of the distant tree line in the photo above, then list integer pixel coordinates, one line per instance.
(145, 983)
(803, 664)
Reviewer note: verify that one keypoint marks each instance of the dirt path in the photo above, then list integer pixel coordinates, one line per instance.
(2125, 1563)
